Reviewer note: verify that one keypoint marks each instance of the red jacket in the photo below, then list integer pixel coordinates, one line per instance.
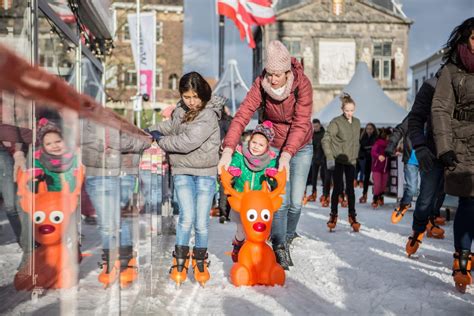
(291, 118)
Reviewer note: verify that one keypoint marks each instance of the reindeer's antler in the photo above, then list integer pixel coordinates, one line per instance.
(234, 197)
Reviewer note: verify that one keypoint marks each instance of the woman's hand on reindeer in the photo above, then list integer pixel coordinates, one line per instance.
(284, 163)
(225, 160)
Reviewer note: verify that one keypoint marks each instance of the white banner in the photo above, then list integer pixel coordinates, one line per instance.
(147, 49)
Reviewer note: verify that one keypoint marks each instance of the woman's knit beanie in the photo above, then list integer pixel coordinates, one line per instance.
(278, 58)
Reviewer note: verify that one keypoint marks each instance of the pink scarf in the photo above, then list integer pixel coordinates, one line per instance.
(467, 57)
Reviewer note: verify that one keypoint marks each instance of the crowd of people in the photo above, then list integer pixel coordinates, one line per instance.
(200, 140)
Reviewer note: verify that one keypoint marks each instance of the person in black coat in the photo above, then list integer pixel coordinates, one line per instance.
(367, 140)
(318, 164)
(224, 207)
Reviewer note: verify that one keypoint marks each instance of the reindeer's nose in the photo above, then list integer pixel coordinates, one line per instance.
(259, 227)
(46, 229)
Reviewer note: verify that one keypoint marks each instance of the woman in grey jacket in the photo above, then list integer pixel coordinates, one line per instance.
(192, 141)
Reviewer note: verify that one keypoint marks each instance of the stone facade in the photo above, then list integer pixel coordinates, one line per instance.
(121, 76)
(330, 45)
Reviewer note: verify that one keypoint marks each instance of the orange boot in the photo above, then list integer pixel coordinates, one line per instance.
(462, 270)
(399, 212)
(325, 201)
(128, 266)
(110, 268)
(380, 200)
(312, 197)
(433, 230)
(200, 265)
(179, 269)
(343, 200)
(363, 199)
(354, 223)
(375, 201)
(332, 221)
(441, 221)
(414, 242)
(304, 201)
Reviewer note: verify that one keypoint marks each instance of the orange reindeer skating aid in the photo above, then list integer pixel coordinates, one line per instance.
(256, 263)
(53, 264)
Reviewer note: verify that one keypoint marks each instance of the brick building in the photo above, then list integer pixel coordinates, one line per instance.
(121, 72)
(331, 36)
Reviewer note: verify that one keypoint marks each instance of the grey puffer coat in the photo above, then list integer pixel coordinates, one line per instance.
(452, 130)
(193, 147)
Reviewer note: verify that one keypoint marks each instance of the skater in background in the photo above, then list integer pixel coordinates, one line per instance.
(284, 96)
(367, 140)
(192, 140)
(410, 167)
(453, 121)
(341, 147)
(380, 166)
(252, 162)
(318, 164)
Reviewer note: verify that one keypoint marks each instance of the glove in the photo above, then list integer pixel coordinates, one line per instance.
(331, 164)
(449, 159)
(425, 158)
(284, 163)
(225, 159)
(156, 135)
(234, 171)
(270, 172)
(19, 163)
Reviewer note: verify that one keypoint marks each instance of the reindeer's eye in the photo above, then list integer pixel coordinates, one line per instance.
(252, 215)
(56, 217)
(39, 217)
(265, 215)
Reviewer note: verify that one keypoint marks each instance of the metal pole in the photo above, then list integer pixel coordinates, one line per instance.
(232, 92)
(139, 92)
(221, 45)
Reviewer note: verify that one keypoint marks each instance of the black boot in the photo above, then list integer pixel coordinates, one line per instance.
(287, 248)
(281, 258)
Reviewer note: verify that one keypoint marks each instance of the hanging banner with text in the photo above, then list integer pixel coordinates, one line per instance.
(147, 49)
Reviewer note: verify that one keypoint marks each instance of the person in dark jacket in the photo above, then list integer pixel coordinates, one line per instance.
(367, 140)
(224, 207)
(285, 95)
(318, 164)
(453, 121)
(410, 167)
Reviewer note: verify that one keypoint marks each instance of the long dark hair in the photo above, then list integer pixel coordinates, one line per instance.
(195, 82)
(460, 35)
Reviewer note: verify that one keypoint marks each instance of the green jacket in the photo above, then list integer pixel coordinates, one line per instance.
(341, 140)
(255, 179)
(53, 179)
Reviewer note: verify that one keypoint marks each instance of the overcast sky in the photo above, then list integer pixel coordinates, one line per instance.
(433, 22)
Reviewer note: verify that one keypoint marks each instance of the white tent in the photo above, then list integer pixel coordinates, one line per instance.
(372, 104)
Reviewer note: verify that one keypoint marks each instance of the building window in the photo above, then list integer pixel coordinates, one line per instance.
(382, 61)
(159, 32)
(416, 85)
(294, 47)
(131, 78)
(173, 82)
(159, 79)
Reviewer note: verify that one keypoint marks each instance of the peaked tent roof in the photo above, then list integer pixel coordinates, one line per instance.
(372, 104)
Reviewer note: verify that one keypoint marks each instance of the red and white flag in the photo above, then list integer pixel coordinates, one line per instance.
(246, 13)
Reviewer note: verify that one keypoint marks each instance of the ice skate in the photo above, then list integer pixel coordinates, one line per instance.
(399, 212)
(343, 200)
(325, 202)
(128, 266)
(462, 270)
(332, 221)
(440, 221)
(363, 199)
(179, 269)
(354, 223)
(380, 200)
(413, 243)
(375, 202)
(433, 230)
(312, 197)
(237, 244)
(200, 264)
(110, 269)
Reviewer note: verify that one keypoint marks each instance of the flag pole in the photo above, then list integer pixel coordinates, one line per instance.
(221, 45)
(139, 92)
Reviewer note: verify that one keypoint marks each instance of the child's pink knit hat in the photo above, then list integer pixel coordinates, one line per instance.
(266, 129)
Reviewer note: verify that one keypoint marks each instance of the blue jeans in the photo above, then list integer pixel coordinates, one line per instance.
(464, 224)
(9, 191)
(127, 189)
(431, 183)
(104, 193)
(410, 173)
(152, 191)
(287, 217)
(194, 195)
